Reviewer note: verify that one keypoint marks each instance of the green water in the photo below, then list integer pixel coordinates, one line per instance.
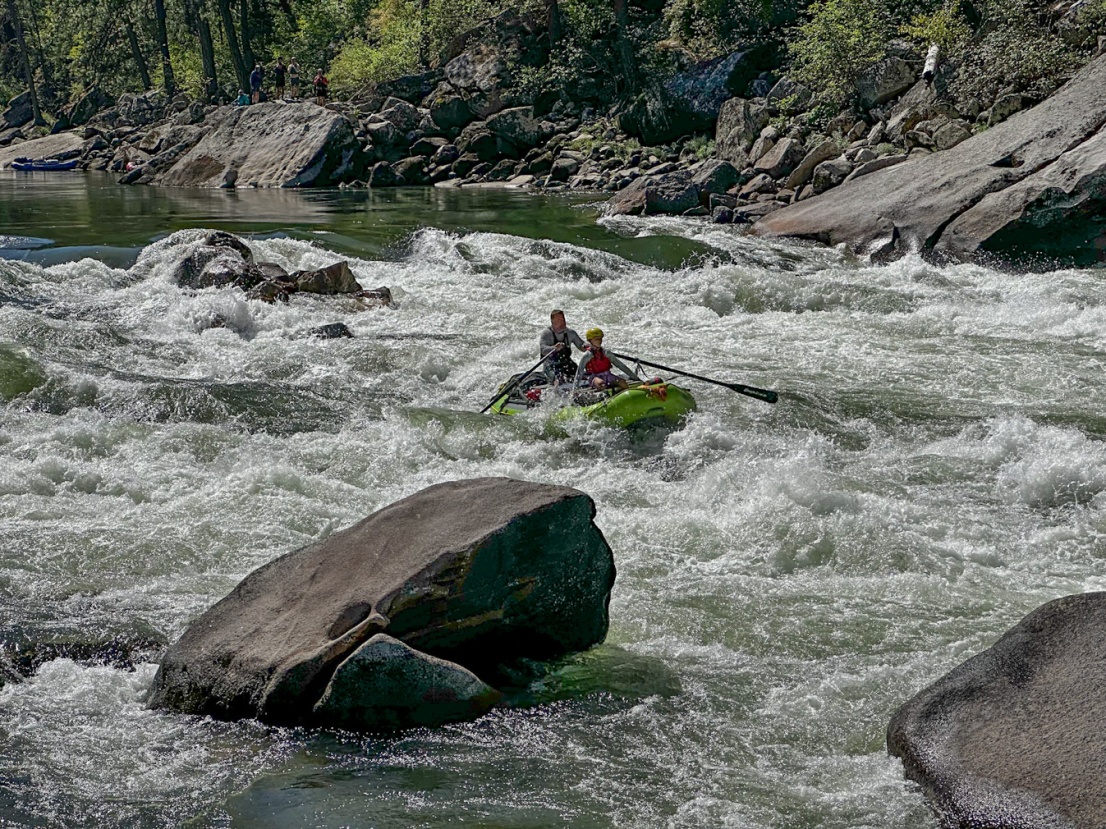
(92, 214)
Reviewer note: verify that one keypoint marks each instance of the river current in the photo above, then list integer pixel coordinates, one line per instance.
(787, 575)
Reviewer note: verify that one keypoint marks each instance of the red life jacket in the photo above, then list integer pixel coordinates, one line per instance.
(599, 361)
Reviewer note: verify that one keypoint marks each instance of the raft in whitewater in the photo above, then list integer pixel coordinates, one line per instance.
(653, 402)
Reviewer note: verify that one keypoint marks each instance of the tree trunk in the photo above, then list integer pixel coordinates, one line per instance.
(163, 46)
(622, 45)
(424, 36)
(247, 35)
(207, 59)
(554, 21)
(25, 61)
(139, 60)
(240, 67)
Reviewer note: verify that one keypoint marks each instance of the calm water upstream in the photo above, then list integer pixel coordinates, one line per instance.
(788, 575)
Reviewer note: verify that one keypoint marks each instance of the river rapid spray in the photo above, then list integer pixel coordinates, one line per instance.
(787, 575)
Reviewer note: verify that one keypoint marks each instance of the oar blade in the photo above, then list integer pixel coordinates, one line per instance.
(767, 395)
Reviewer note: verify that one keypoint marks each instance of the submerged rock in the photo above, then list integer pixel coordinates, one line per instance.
(333, 279)
(474, 572)
(387, 685)
(27, 645)
(1012, 738)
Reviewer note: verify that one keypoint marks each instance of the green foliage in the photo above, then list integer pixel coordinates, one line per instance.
(1011, 50)
(580, 65)
(391, 50)
(709, 28)
(945, 26)
(700, 146)
(835, 45)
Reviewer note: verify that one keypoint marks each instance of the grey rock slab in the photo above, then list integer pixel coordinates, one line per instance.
(49, 146)
(923, 196)
(273, 144)
(1013, 737)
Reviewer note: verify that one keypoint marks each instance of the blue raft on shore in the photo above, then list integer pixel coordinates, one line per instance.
(48, 164)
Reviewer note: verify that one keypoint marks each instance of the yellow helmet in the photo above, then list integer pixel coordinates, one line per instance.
(592, 333)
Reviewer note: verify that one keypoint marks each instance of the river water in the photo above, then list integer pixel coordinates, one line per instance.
(787, 575)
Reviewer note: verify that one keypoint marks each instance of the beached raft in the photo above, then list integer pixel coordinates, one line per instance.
(41, 164)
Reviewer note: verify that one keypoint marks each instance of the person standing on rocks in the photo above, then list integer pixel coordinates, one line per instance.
(559, 338)
(279, 72)
(256, 76)
(321, 86)
(294, 78)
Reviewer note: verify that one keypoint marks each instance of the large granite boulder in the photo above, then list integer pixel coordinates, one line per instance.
(1033, 185)
(1012, 738)
(739, 124)
(410, 88)
(476, 573)
(515, 130)
(704, 87)
(883, 81)
(215, 260)
(142, 108)
(19, 111)
(671, 193)
(268, 145)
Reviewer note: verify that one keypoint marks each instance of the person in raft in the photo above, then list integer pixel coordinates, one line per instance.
(320, 83)
(595, 365)
(559, 338)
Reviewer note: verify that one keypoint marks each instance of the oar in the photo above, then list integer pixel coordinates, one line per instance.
(767, 395)
(515, 384)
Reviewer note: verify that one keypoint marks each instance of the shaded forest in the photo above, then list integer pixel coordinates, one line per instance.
(607, 48)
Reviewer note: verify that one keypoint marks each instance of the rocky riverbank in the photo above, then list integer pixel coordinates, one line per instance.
(722, 139)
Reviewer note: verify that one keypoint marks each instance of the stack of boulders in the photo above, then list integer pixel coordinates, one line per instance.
(218, 259)
(404, 619)
(777, 160)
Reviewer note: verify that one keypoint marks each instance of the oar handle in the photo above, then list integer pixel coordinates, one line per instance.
(767, 395)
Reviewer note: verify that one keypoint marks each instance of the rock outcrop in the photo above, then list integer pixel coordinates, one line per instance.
(1032, 185)
(1013, 737)
(50, 146)
(471, 572)
(266, 145)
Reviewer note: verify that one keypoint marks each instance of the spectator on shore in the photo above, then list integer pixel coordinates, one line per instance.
(321, 85)
(243, 100)
(279, 72)
(256, 76)
(294, 78)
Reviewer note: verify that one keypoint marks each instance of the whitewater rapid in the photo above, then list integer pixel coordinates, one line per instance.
(787, 575)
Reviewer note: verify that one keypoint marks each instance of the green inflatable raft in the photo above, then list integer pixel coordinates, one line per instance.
(654, 402)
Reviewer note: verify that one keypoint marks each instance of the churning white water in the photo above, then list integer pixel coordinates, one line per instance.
(788, 575)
